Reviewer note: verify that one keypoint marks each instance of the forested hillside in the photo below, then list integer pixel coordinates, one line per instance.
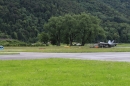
(25, 19)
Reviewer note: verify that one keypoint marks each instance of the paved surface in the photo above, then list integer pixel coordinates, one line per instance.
(108, 56)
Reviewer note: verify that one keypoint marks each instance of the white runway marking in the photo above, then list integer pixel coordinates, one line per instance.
(107, 56)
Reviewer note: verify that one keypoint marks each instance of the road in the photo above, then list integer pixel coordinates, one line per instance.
(107, 56)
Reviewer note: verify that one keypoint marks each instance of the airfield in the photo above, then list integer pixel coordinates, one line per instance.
(64, 66)
(102, 56)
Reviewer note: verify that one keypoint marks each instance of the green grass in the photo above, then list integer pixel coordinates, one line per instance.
(8, 53)
(64, 49)
(123, 45)
(64, 72)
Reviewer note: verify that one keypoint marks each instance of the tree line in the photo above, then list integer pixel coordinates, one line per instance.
(82, 28)
(24, 19)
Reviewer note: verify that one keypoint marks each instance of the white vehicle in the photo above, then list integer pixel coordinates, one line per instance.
(1, 47)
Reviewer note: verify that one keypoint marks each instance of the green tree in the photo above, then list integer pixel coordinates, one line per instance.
(89, 28)
(70, 26)
(55, 29)
(44, 37)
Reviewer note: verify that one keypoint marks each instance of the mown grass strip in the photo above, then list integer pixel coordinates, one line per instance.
(62, 49)
(9, 53)
(64, 72)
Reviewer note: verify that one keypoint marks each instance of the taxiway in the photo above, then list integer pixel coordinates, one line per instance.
(107, 56)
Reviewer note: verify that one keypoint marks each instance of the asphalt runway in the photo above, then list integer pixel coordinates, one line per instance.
(107, 56)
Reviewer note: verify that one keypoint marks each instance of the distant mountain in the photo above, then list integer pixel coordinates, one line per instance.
(24, 19)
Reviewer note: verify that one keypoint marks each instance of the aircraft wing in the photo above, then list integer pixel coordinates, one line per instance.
(104, 43)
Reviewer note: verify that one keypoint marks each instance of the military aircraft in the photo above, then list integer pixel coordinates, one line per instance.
(105, 45)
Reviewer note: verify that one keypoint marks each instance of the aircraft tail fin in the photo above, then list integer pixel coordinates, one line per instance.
(113, 41)
(110, 42)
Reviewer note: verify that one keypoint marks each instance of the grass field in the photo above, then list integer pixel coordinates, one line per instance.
(64, 72)
(67, 49)
(9, 53)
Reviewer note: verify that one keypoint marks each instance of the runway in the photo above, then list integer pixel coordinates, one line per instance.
(107, 56)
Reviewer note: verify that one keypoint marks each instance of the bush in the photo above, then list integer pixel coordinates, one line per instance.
(12, 43)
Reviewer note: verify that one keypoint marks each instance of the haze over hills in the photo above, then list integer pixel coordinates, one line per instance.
(24, 19)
